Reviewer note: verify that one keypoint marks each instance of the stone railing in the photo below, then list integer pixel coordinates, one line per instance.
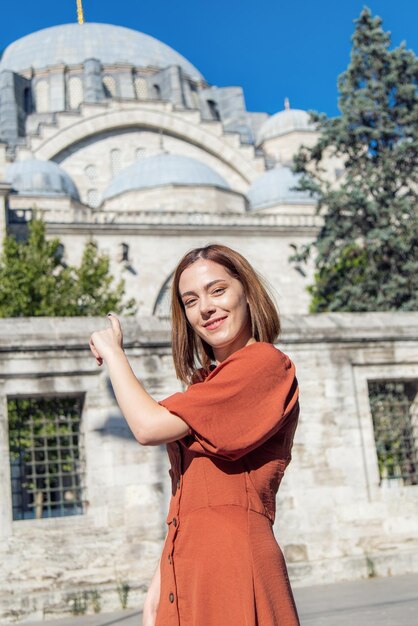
(163, 218)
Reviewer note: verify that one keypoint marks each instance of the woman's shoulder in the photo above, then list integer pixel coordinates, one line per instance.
(257, 356)
(264, 351)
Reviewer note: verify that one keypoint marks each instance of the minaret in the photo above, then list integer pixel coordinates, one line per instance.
(286, 104)
(80, 13)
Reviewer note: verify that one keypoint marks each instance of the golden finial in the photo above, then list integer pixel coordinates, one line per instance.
(80, 13)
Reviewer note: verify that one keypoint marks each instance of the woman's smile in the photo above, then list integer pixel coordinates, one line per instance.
(215, 324)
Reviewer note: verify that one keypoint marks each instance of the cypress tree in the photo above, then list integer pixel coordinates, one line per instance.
(367, 249)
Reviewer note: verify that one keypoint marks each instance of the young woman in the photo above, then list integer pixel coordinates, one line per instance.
(229, 438)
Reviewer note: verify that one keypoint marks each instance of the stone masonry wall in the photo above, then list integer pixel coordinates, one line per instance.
(333, 521)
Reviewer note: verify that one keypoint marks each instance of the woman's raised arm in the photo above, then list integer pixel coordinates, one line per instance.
(150, 423)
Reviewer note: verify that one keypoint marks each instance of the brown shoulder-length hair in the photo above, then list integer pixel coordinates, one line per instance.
(190, 352)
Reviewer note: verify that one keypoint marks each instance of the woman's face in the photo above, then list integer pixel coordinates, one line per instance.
(216, 306)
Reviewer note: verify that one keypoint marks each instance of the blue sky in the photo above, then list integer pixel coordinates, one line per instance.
(271, 48)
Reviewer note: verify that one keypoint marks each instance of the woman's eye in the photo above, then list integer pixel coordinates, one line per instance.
(222, 289)
(189, 302)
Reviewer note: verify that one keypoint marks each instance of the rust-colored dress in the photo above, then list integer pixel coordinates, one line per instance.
(221, 564)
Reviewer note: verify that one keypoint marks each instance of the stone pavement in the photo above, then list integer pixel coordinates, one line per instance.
(391, 601)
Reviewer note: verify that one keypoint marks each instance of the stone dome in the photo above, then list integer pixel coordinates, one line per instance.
(41, 178)
(72, 44)
(284, 122)
(275, 187)
(164, 169)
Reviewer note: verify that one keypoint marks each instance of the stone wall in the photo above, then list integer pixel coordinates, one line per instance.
(333, 522)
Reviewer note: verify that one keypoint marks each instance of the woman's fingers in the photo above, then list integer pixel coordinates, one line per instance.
(115, 324)
(103, 342)
(97, 356)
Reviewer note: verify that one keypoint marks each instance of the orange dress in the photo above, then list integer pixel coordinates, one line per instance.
(221, 564)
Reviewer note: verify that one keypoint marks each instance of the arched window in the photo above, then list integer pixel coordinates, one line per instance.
(157, 92)
(163, 302)
(213, 110)
(109, 86)
(42, 96)
(27, 100)
(75, 92)
(91, 171)
(93, 198)
(115, 161)
(141, 88)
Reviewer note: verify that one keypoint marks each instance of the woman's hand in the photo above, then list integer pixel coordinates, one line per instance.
(105, 342)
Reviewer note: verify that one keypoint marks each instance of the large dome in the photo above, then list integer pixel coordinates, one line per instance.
(283, 122)
(72, 44)
(164, 169)
(276, 187)
(43, 178)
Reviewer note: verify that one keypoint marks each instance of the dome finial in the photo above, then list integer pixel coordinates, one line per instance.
(286, 104)
(80, 12)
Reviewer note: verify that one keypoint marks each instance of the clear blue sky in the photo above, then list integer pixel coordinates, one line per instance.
(272, 48)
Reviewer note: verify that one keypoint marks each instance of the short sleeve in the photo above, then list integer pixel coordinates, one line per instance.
(243, 402)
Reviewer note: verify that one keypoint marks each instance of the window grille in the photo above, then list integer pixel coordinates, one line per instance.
(46, 457)
(141, 88)
(109, 86)
(93, 198)
(115, 161)
(75, 92)
(91, 171)
(395, 423)
(140, 153)
(42, 96)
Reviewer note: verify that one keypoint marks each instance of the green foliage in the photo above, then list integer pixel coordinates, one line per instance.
(367, 250)
(123, 589)
(35, 282)
(79, 602)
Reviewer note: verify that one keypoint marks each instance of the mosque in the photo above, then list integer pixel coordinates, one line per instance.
(112, 134)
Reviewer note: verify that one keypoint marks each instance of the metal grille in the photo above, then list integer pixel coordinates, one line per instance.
(91, 171)
(115, 161)
(141, 88)
(47, 465)
(75, 92)
(109, 85)
(42, 96)
(93, 198)
(395, 423)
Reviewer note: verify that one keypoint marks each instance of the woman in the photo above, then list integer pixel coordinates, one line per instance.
(229, 438)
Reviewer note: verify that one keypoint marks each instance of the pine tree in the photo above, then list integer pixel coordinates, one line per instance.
(35, 282)
(367, 250)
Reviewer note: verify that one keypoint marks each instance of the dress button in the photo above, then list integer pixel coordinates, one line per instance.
(174, 522)
(171, 597)
(169, 558)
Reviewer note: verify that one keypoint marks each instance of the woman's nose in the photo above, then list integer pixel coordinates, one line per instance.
(206, 306)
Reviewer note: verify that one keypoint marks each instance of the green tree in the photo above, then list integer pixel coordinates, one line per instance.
(367, 250)
(35, 282)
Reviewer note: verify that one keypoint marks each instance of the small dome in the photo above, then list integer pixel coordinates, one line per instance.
(284, 122)
(275, 187)
(164, 169)
(43, 178)
(72, 44)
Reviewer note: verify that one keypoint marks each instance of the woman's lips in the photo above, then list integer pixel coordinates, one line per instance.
(215, 324)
